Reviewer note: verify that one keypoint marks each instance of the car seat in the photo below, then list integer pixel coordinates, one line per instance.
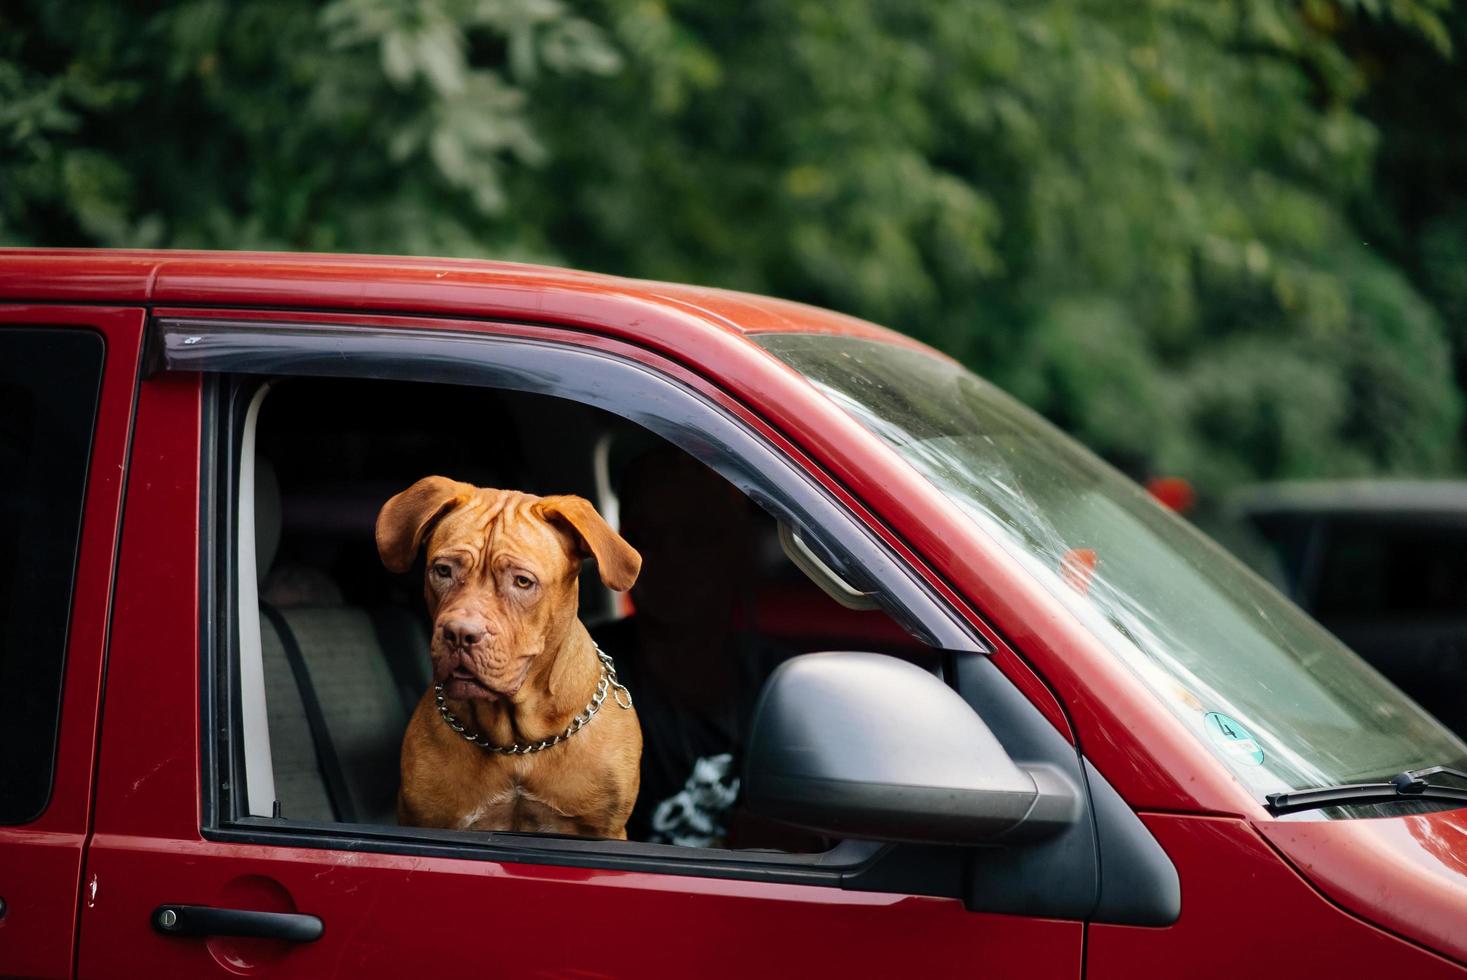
(341, 683)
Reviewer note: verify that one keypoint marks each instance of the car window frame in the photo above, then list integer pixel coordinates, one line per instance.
(238, 356)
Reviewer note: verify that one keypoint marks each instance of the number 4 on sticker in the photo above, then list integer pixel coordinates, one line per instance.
(1234, 740)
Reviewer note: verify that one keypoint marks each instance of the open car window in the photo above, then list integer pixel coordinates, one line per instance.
(341, 651)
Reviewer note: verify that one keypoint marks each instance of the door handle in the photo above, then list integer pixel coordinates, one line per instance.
(204, 920)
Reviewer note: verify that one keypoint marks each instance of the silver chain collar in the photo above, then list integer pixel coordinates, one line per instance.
(606, 682)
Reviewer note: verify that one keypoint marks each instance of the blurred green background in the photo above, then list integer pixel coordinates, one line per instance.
(1223, 239)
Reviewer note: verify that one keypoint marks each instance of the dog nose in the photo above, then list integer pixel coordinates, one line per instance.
(463, 633)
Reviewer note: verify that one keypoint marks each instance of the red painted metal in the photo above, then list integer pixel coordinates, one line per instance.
(703, 329)
(389, 915)
(76, 276)
(393, 914)
(695, 328)
(41, 862)
(1409, 874)
(1244, 906)
(148, 781)
(1245, 913)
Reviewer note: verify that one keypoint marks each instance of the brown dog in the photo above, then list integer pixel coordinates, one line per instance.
(514, 665)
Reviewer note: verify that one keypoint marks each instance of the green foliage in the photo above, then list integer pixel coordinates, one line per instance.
(354, 124)
(1142, 217)
(1418, 214)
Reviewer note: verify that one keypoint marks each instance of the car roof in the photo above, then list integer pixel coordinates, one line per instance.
(399, 284)
(1339, 497)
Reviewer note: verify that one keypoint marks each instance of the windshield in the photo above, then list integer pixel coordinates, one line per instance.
(1283, 703)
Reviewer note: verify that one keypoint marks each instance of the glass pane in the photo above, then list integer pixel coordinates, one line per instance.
(50, 380)
(1272, 694)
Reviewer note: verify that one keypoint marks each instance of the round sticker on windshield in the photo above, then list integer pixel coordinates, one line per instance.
(1232, 738)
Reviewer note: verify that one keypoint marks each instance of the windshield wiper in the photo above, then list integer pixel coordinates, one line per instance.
(1410, 785)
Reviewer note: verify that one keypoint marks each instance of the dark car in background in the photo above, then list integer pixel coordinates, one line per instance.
(1383, 565)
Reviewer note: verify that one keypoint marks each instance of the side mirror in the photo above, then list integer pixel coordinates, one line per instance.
(869, 746)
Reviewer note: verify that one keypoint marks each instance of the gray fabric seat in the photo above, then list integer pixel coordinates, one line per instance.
(367, 670)
(364, 709)
(299, 788)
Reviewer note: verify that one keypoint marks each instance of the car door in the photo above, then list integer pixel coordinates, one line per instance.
(66, 389)
(185, 856)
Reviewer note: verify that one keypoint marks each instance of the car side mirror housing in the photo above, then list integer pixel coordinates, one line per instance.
(868, 746)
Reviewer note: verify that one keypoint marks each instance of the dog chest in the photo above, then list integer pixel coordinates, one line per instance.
(517, 807)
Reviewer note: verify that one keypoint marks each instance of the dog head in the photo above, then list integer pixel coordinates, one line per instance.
(501, 575)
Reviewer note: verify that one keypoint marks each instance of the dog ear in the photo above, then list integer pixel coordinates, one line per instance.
(618, 561)
(406, 519)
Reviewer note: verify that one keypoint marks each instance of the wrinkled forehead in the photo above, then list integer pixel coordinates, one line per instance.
(495, 522)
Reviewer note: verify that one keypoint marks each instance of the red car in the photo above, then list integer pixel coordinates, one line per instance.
(1069, 736)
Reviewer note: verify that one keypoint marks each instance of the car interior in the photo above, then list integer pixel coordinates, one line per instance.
(344, 642)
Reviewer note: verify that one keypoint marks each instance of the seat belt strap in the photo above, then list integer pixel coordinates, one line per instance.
(326, 758)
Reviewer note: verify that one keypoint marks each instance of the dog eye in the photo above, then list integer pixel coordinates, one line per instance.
(443, 570)
(523, 581)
